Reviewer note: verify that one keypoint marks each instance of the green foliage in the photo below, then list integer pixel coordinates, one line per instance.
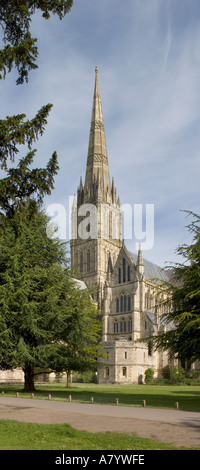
(16, 131)
(166, 372)
(177, 374)
(31, 282)
(183, 335)
(23, 182)
(80, 334)
(20, 51)
(195, 375)
(45, 321)
(20, 48)
(149, 374)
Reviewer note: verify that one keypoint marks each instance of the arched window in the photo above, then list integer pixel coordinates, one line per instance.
(150, 348)
(148, 300)
(130, 325)
(129, 303)
(119, 276)
(88, 261)
(81, 262)
(124, 270)
(156, 303)
(125, 303)
(115, 326)
(128, 273)
(121, 303)
(117, 305)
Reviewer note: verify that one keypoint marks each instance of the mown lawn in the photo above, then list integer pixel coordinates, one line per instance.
(30, 436)
(156, 396)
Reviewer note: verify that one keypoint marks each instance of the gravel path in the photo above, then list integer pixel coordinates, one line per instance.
(182, 428)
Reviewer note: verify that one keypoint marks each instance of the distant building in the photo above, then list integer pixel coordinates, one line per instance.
(122, 282)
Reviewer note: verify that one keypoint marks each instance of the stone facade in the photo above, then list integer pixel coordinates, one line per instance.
(131, 303)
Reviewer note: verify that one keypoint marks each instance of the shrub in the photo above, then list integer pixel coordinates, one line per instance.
(149, 373)
(177, 374)
(166, 372)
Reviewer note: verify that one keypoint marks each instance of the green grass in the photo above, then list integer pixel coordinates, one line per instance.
(156, 396)
(27, 436)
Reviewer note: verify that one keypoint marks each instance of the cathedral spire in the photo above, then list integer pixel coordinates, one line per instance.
(97, 159)
(140, 262)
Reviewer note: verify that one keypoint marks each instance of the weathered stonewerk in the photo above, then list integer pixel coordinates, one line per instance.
(121, 282)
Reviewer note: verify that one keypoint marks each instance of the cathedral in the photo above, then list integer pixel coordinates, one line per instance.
(126, 288)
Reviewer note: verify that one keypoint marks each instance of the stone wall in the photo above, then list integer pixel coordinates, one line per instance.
(126, 362)
(15, 376)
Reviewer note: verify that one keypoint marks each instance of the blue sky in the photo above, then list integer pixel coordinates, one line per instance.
(148, 57)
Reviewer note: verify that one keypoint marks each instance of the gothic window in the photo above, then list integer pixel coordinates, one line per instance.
(121, 303)
(119, 276)
(124, 270)
(81, 262)
(166, 307)
(117, 305)
(124, 326)
(88, 261)
(148, 301)
(125, 355)
(115, 326)
(156, 303)
(124, 303)
(128, 273)
(129, 325)
(76, 259)
(150, 348)
(162, 304)
(121, 326)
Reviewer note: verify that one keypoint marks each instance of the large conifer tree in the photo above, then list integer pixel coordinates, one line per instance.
(44, 321)
(182, 336)
(32, 283)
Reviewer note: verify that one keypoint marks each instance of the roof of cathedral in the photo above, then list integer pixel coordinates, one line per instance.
(151, 270)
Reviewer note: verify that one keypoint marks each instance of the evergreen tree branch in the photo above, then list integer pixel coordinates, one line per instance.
(16, 131)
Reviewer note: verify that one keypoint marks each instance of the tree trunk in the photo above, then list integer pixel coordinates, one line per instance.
(68, 378)
(29, 379)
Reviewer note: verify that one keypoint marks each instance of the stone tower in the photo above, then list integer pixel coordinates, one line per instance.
(96, 213)
(128, 288)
